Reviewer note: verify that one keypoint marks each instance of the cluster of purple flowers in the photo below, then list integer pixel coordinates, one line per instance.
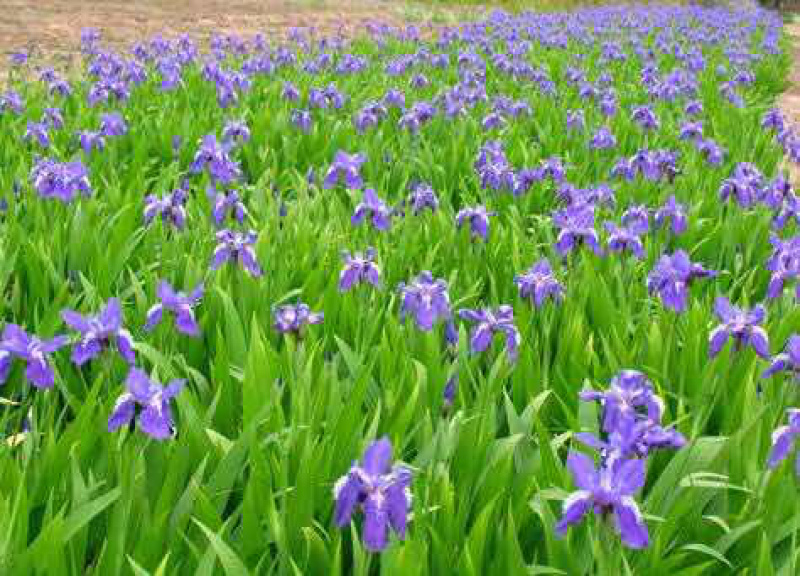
(631, 426)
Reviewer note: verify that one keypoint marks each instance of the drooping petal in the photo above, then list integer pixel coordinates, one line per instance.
(186, 323)
(719, 336)
(86, 350)
(39, 373)
(630, 523)
(782, 441)
(156, 423)
(574, 509)
(154, 316)
(347, 492)
(376, 520)
(760, 341)
(123, 412)
(125, 346)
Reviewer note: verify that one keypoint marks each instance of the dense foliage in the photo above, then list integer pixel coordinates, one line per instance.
(512, 297)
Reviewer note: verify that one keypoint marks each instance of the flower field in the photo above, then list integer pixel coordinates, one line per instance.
(518, 296)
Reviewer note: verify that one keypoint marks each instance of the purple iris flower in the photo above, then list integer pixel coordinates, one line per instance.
(489, 322)
(628, 236)
(375, 208)
(38, 131)
(576, 226)
(228, 205)
(538, 283)
(711, 152)
(292, 318)
(18, 58)
(635, 436)
(691, 131)
(236, 247)
(607, 490)
(346, 167)
(776, 193)
(33, 351)
(744, 185)
(693, 108)
(784, 439)
(235, 132)
(773, 119)
(380, 490)
(290, 92)
(395, 99)
(171, 208)
(180, 304)
(786, 361)
(449, 393)
(113, 124)
(427, 300)
(153, 401)
(576, 120)
(784, 263)
(90, 141)
(478, 219)
(743, 325)
(629, 392)
(302, 119)
(672, 213)
(603, 139)
(672, 276)
(422, 196)
(13, 101)
(60, 180)
(359, 268)
(98, 332)
(214, 156)
(645, 117)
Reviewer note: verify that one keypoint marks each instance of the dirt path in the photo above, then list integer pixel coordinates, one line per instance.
(789, 102)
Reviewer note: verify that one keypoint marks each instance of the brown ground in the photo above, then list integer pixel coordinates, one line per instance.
(789, 102)
(53, 26)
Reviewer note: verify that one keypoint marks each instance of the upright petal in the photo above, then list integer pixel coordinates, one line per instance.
(629, 477)
(582, 469)
(75, 321)
(377, 457)
(111, 315)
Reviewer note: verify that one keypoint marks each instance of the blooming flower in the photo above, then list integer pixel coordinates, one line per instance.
(235, 132)
(155, 417)
(538, 283)
(380, 490)
(359, 268)
(784, 263)
(38, 131)
(783, 439)
(171, 208)
(608, 490)
(302, 119)
(292, 318)
(98, 332)
(214, 156)
(60, 180)
(33, 351)
(427, 300)
(490, 322)
(671, 277)
(180, 304)
(672, 213)
(629, 392)
(90, 141)
(576, 226)
(623, 238)
(236, 247)
(743, 325)
(113, 124)
(602, 139)
(423, 196)
(786, 361)
(374, 207)
(345, 167)
(228, 205)
(478, 219)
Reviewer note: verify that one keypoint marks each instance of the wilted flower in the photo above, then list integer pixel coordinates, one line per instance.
(31, 350)
(786, 361)
(171, 208)
(99, 332)
(538, 283)
(478, 219)
(672, 276)
(489, 322)
(153, 401)
(783, 440)
(345, 167)
(180, 304)
(380, 490)
(608, 490)
(236, 247)
(359, 268)
(292, 318)
(375, 208)
(743, 325)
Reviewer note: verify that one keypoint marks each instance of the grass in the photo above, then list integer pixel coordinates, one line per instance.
(267, 423)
